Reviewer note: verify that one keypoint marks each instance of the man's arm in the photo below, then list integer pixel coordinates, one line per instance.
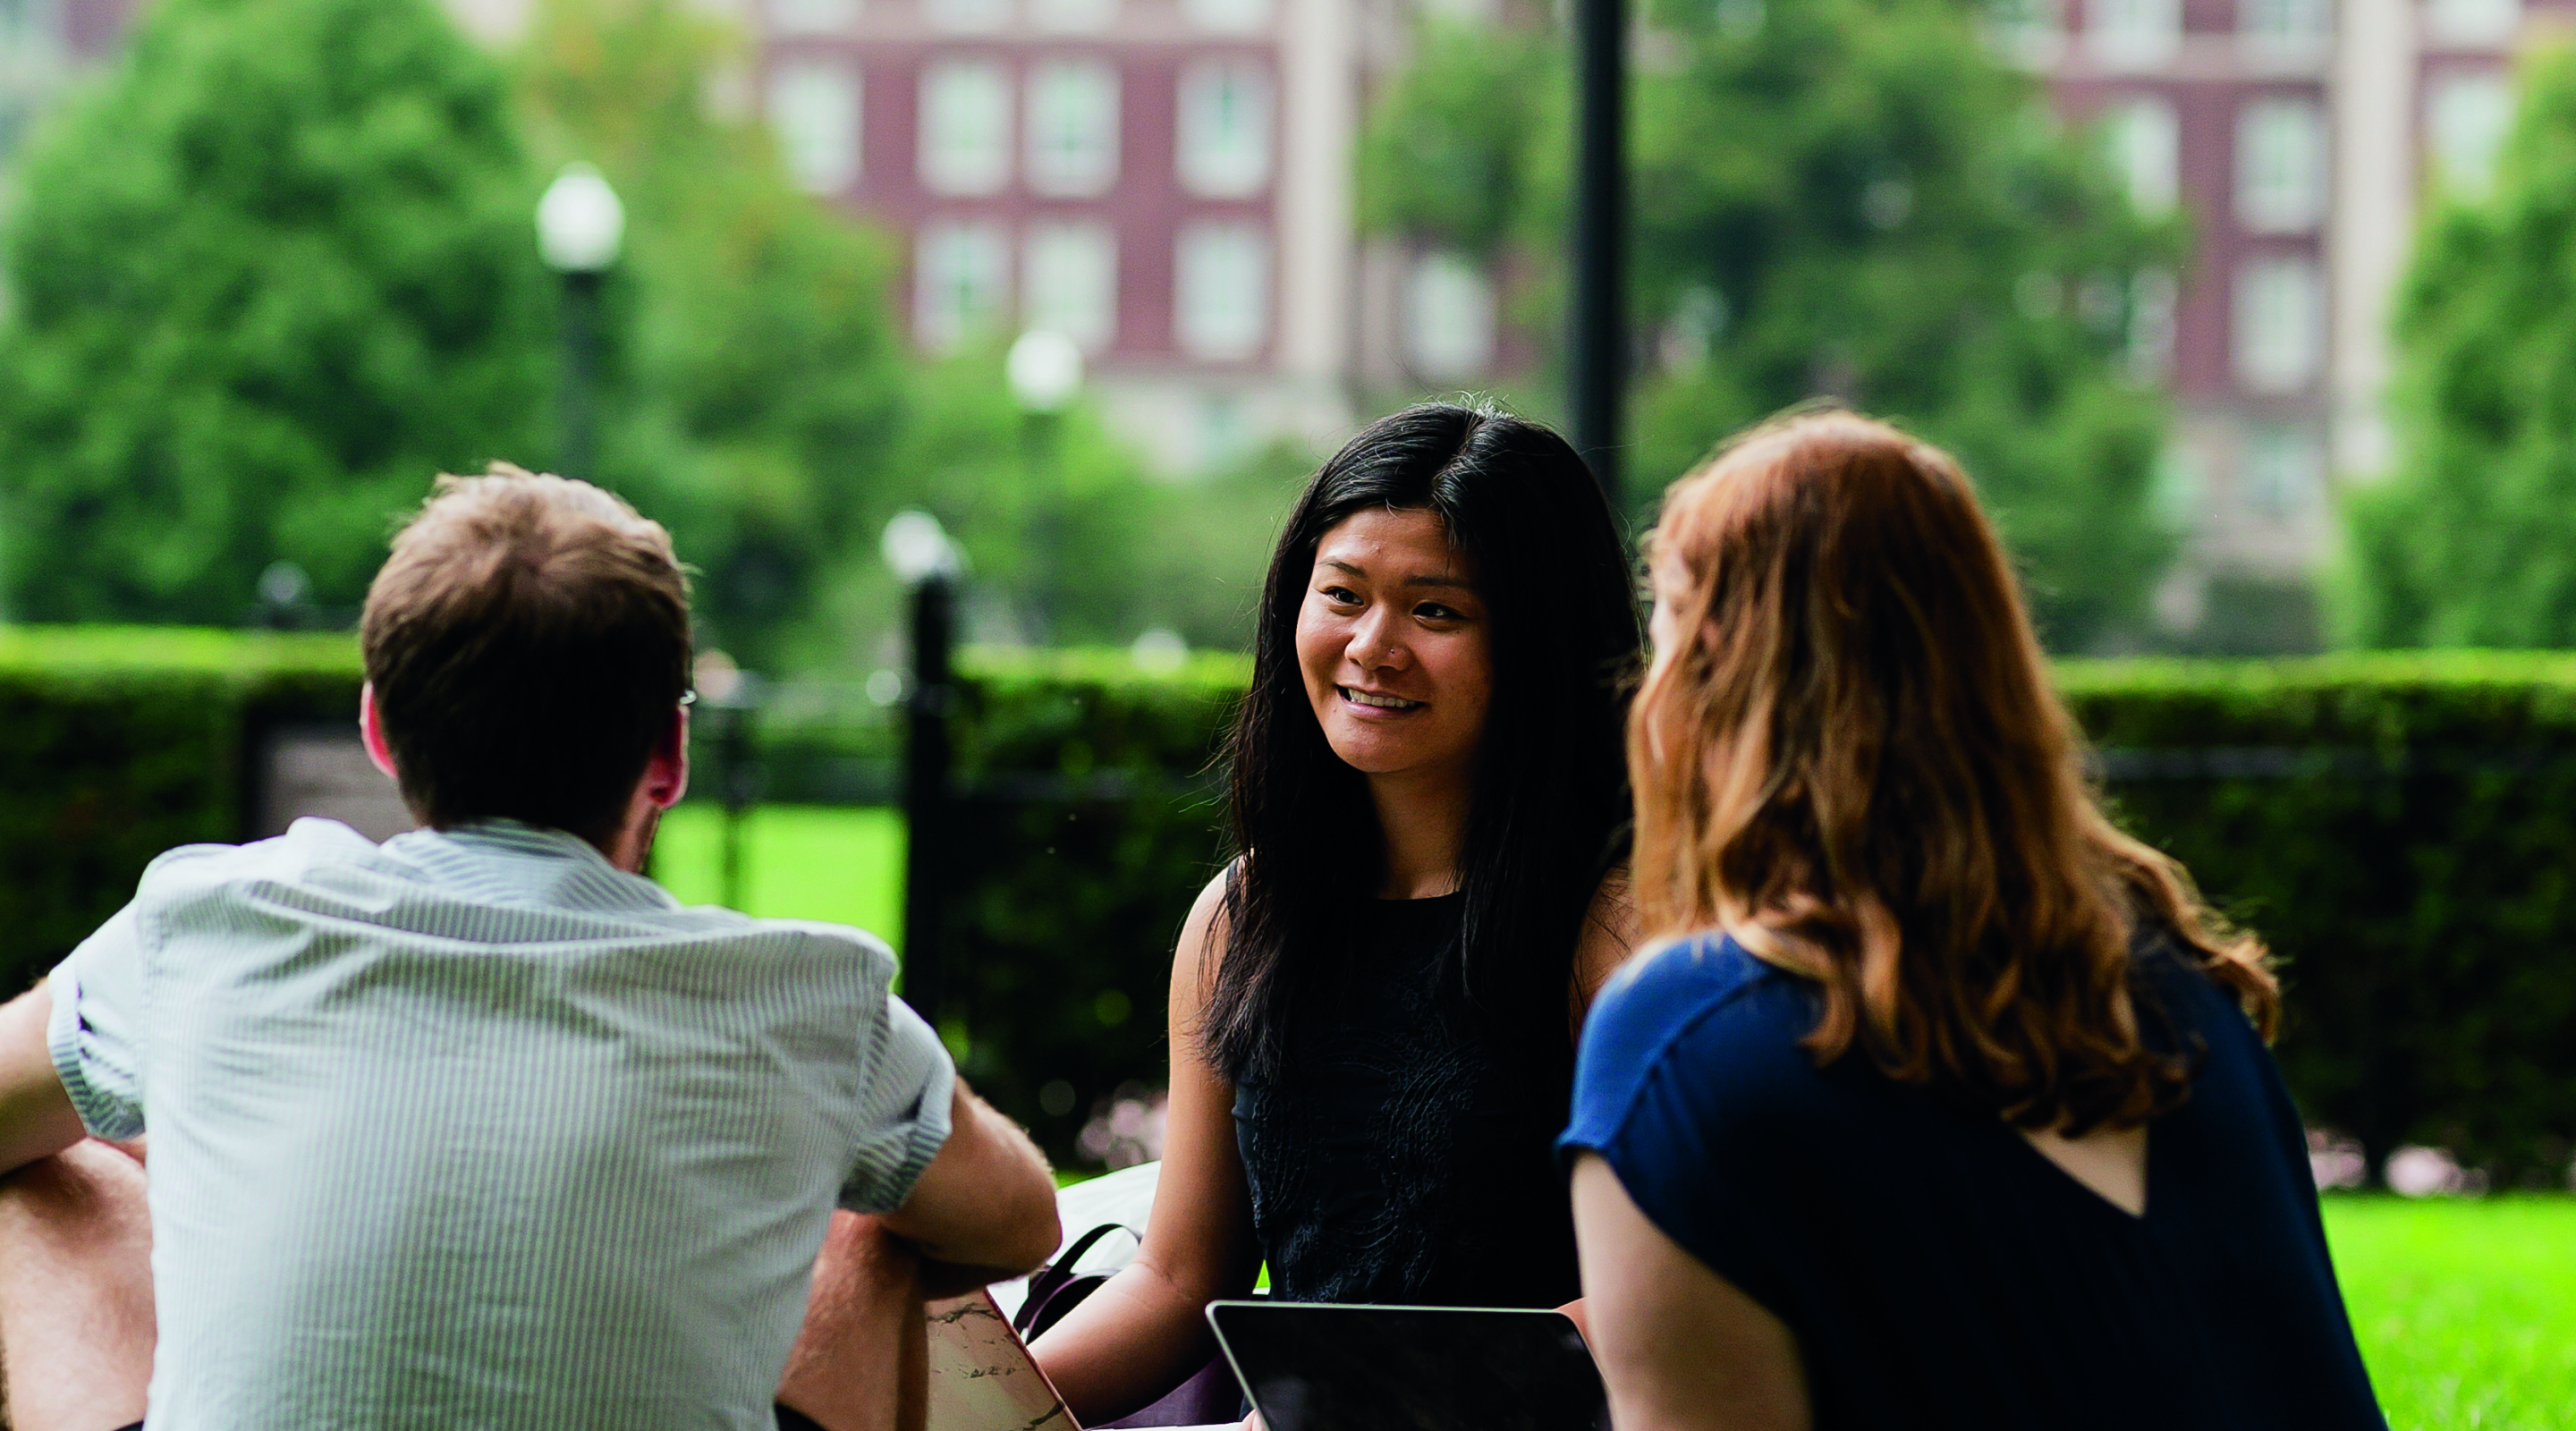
(984, 1209)
(37, 1119)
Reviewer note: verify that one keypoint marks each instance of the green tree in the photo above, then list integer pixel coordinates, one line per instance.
(269, 275)
(762, 401)
(756, 383)
(1849, 198)
(2473, 540)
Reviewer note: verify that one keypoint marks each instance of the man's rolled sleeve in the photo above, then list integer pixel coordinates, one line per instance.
(92, 1035)
(904, 1112)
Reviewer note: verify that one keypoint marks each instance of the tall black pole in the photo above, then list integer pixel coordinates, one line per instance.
(739, 787)
(580, 415)
(927, 793)
(1599, 346)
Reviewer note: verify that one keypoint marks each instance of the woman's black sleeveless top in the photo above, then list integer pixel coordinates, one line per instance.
(1395, 1155)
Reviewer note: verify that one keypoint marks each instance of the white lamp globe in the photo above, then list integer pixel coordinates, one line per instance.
(1045, 369)
(917, 547)
(580, 223)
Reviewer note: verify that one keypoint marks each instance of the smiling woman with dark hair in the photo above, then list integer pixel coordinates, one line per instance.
(1373, 1010)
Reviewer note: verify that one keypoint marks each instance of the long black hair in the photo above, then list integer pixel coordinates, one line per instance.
(1550, 807)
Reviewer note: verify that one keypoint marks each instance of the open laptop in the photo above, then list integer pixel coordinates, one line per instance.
(1315, 1366)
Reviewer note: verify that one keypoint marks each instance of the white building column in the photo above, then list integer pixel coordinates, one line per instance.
(1319, 120)
(2373, 223)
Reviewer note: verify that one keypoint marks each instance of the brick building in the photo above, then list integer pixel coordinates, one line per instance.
(1167, 182)
(2300, 138)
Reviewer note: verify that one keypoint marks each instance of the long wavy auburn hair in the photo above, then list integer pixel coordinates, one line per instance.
(1852, 760)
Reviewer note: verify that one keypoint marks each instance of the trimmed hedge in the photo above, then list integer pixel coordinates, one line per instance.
(1090, 824)
(2400, 828)
(122, 742)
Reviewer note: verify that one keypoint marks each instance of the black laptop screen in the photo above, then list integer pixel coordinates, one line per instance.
(1311, 1367)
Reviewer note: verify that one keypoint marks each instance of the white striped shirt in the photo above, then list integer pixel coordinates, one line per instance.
(477, 1130)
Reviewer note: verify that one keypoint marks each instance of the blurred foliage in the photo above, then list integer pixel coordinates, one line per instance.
(1450, 151)
(754, 382)
(1067, 538)
(1840, 198)
(2473, 542)
(279, 269)
(763, 403)
(269, 276)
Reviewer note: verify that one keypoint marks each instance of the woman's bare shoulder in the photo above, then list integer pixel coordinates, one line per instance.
(1198, 953)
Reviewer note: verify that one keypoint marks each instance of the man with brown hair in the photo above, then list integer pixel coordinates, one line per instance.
(480, 1128)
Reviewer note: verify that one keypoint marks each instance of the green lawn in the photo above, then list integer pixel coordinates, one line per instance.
(798, 862)
(2466, 1310)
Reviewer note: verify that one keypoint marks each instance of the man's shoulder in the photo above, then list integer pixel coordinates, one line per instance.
(308, 844)
(816, 938)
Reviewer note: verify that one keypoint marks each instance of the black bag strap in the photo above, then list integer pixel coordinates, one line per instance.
(1048, 1280)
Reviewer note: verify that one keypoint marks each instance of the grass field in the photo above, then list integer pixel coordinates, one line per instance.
(2466, 1310)
(798, 862)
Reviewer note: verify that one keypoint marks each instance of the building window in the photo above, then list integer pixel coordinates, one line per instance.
(1072, 17)
(1225, 129)
(2026, 31)
(2472, 24)
(2280, 165)
(961, 273)
(814, 111)
(1073, 128)
(2154, 295)
(1221, 283)
(2285, 24)
(2467, 116)
(967, 17)
(812, 17)
(2133, 34)
(1229, 17)
(965, 127)
(2145, 142)
(1448, 318)
(1069, 282)
(2280, 324)
(2283, 471)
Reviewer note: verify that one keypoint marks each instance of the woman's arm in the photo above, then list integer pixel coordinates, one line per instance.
(1147, 1329)
(1681, 1348)
(1609, 936)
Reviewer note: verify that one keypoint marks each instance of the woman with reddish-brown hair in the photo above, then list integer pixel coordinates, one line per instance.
(1939, 1101)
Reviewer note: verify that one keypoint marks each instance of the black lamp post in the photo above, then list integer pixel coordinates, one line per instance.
(921, 554)
(580, 227)
(1599, 346)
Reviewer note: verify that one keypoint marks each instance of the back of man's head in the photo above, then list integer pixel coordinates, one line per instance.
(528, 642)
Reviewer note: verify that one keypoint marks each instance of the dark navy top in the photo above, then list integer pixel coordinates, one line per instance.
(1396, 1156)
(1938, 1270)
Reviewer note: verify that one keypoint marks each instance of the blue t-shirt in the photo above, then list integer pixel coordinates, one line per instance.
(1938, 1270)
